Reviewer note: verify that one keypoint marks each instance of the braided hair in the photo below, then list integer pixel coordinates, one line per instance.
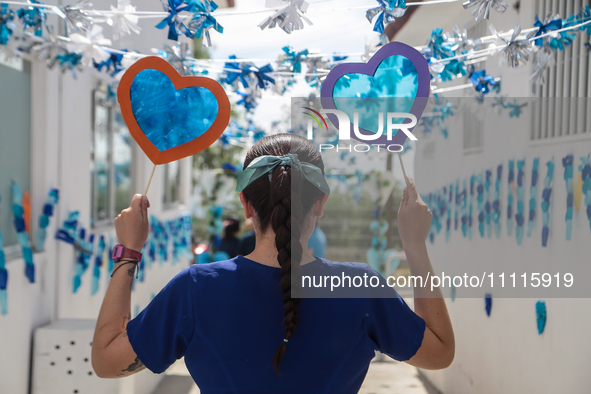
(284, 202)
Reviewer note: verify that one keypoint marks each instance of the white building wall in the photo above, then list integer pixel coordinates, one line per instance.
(60, 158)
(503, 353)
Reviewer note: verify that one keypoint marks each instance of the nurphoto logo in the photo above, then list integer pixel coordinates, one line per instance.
(394, 124)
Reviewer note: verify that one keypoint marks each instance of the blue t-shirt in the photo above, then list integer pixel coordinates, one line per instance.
(226, 319)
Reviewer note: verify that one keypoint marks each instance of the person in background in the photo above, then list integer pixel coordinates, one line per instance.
(230, 243)
(317, 243)
(248, 242)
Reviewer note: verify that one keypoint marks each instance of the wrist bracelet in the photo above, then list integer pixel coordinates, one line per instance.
(126, 261)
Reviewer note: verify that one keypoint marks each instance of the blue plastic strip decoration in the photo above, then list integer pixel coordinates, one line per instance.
(3, 278)
(585, 169)
(465, 219)
(48, 208)
(480, 203)
(510, 188)
(67, 233)
(449, 207)
(98, 263)
(472, 183)
(519, 191)
(496, 205)
(567, 163)
(488, 303)
(546, 202)
(533, 192)
(487, 182)
(21, 233)
(541, 316)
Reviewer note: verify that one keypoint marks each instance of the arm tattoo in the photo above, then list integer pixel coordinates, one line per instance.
(126, 320)
(134, 367)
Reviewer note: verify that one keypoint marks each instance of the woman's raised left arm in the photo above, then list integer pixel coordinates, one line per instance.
(112, 354)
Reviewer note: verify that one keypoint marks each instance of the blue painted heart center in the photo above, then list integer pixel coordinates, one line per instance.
(396, 78)
(167, 116)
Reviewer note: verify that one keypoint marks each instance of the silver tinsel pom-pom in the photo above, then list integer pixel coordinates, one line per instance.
(517, 50)
(483, 7)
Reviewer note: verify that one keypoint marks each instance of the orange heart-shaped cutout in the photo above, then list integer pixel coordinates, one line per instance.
(178, 114)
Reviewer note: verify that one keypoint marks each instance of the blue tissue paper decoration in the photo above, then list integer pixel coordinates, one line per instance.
(488, 303)
(567, 163)
(533, 192)
(395, 78)
(163, 117)
(546, 203)
(541, 316)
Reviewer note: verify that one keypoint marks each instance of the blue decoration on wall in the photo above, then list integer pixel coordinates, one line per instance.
(487, 205)
(544, 27)
(163, 117)
(98, 263)
(3, 278)
(519, 192)
(465, 218)
(458, 205)
(21, 233)
(546, 202)
(84, 249)
(48, 209)
(488, 303)
(480, 203)
(585, 169)
(567, 163)
(533, 192)
(510, 190)
(449, 207)
(541, 316)
(472, 184)
(6, 24)
(496, 205)
(453, 292)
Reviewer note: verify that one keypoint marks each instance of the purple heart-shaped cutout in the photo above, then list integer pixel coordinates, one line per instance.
(392, 49)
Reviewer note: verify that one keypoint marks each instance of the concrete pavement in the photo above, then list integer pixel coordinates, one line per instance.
(385, 376)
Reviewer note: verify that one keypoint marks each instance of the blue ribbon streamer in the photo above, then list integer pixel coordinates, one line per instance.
(98, 263)
(541, 316)
(480, 203)
(449, 208)
(3, 278)
(545, 27)
(174, 22)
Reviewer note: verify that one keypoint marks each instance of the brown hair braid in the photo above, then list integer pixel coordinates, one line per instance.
(284, 203)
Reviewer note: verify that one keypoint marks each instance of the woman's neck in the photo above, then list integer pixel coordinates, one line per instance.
(265, 252)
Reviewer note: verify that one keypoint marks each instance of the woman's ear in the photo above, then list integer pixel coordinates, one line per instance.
(318, 209)
(248, 210)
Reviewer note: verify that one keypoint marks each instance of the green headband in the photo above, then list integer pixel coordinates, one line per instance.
(265, 164)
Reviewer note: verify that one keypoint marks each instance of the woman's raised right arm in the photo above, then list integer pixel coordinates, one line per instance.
(414, 221)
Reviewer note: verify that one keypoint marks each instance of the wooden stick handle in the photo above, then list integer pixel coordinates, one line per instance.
(150, 180)
(403, 170)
